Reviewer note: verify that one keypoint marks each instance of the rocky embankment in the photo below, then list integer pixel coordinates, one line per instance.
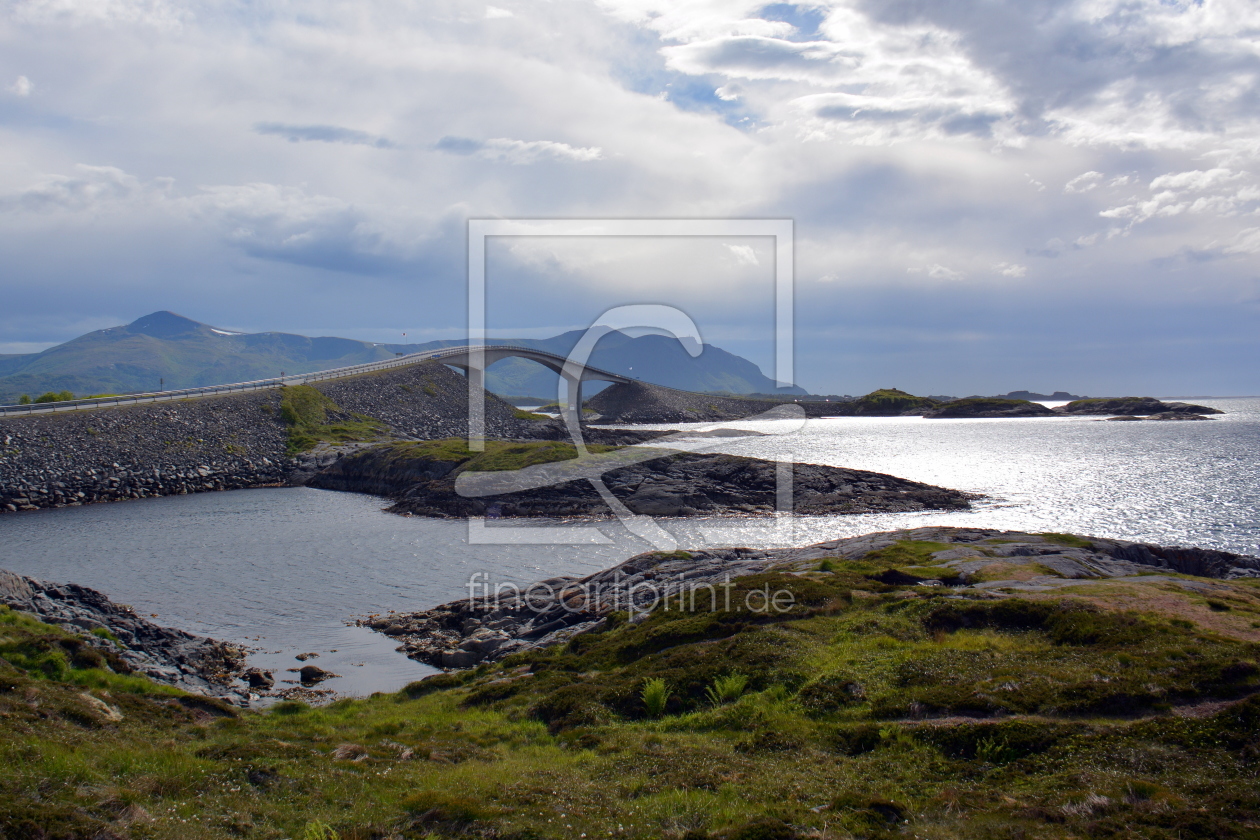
(133, 452)
(216, 443)
(502, 619)
(652, 482)
(114, 636)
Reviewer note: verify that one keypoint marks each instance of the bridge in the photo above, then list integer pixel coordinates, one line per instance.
(473, 360)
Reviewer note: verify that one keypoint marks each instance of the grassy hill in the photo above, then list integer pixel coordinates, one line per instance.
(168, 350)
(868, 710)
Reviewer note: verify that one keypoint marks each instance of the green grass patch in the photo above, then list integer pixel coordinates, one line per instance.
(907, 553)
(306, 412)
(1070, 540)
(497, 456)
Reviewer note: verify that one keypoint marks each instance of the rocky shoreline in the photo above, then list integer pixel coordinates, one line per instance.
(495, 621)
(192, 663)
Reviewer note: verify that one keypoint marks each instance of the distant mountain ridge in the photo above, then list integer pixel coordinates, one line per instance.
(166, 350)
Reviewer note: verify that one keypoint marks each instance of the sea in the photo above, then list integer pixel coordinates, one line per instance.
(290, 570)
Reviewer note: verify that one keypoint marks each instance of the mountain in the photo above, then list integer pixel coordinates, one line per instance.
(168, 350)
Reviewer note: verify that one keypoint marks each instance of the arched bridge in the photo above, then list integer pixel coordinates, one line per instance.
(473, 360)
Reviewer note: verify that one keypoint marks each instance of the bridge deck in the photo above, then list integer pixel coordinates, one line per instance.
(450, 354)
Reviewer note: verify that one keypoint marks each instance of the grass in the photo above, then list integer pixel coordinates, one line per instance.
(1070, 540)
(305, 411)
(867, 710)
(497, 456)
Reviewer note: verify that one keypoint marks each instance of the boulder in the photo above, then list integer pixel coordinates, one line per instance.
(312, 674)
(258, 678)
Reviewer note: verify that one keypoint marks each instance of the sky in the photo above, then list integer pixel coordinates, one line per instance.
(987, 195)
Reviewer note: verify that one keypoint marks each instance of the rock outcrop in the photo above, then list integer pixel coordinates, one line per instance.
(1133, 406)
(193, 663)
(653, 483)
(989, 407)
(499, 620)
(641, 402)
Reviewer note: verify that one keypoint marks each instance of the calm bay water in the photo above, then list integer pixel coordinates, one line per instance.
(283, 569)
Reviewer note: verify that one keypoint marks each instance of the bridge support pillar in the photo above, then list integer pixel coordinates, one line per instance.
(573, 396)
(476, 408)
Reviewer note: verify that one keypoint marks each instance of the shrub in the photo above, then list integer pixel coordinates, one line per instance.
(655, 695)
(319, 830)
(53, 396)
(727, 688)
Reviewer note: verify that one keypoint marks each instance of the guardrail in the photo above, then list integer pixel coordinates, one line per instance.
(264, 384)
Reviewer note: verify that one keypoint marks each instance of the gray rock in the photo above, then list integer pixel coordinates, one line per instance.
(193, 663)
(437, 637)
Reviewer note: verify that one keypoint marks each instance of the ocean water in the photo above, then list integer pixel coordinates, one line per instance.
(285, 570)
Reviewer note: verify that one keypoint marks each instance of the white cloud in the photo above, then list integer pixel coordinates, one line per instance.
(1195, 180)
(1245, 242)
(744, 254)
(494, 12)
(1011, 269)
(91, 188)
(21, 87)
(937, 272)
(1084, 182)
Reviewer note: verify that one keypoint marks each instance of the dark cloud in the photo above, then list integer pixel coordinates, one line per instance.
(324, 134)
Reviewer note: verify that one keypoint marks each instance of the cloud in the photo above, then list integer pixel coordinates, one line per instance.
(1216, 192)
(744, 254)
(21, 87)
(494, 13)
(937, 272)
(517, 152)
(1195, 180)
(1083, 183)
(323, 134)
(90, 188)
(894, 133)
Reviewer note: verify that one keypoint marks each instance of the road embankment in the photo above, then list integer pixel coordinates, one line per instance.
(216, 443)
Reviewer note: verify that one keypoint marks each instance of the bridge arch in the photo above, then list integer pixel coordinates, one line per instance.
(474, 361)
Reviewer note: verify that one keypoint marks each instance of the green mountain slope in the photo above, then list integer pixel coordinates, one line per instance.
(168, 350)
(165, 349)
